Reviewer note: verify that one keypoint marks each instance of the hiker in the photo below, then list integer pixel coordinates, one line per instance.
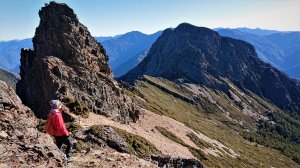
(56, 127)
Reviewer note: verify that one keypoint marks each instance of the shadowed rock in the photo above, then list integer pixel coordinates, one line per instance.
(176, 162)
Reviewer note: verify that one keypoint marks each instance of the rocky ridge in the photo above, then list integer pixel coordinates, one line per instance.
(70, 71)
(21, 144)
(67, 63)
(200, 55)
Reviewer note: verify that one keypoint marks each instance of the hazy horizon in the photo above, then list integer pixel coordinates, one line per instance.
(109, 18)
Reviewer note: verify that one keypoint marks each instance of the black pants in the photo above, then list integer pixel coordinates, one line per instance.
(67, 140)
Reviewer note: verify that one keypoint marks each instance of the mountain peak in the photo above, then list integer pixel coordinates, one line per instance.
(67, 63)
(56, 9)
(135, 32)
(188, 26)
(60, 34)
(200, 55)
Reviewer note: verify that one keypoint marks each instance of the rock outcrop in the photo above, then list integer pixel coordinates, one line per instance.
(104, 136)
(200, 55)
(67, 63)
(21, 144)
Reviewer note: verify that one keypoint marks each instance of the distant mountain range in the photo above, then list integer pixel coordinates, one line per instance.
(266, 50)
(128, 47)
(130, 63)
(256, 31)
(120, 48)
(10, 53)
(101, 39)
(282, 49)
(279, 48)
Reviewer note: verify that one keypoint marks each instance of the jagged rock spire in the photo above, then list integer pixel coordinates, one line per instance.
(60, 34)
(69, 64)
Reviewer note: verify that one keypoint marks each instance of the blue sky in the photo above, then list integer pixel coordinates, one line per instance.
(19, 18)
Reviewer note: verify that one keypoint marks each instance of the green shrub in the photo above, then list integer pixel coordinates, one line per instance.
(73, 126)
(198, 153)
(199, 142)
(77, 107)
(41, 125)
(170, 135)
(96, 129)
(282, 134)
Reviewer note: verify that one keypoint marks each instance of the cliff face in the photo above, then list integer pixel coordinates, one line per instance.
(67, 63)
(21, 144)
(202, 56)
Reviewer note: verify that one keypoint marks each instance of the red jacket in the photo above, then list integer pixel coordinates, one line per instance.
(59, 123)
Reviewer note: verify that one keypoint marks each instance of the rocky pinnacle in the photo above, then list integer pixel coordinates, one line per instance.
(67, 63)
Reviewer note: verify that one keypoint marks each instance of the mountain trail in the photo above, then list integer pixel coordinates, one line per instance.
(145, 127)
(107, 159)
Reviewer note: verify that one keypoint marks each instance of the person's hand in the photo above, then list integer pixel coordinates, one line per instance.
(69, 133)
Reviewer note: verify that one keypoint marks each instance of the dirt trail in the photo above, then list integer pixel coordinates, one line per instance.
(145, 127)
